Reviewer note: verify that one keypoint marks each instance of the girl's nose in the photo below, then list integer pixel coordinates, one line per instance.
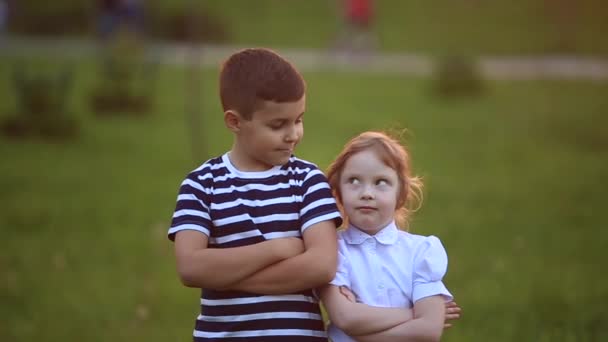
(367, 193)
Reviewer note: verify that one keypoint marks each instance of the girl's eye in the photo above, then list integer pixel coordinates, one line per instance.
(353, 180)
(382, 182)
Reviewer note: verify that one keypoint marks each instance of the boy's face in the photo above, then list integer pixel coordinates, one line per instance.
(270, 137)
(368, 189)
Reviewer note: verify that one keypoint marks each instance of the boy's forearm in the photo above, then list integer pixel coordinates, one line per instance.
(217, 268)
(308, 270)
(314, 267)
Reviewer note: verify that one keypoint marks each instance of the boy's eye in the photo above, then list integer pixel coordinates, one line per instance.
(276, 125)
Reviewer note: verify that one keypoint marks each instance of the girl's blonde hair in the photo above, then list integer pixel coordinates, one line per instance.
(395, 156)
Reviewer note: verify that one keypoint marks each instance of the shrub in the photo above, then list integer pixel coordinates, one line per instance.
(456, 76)
(41, 107)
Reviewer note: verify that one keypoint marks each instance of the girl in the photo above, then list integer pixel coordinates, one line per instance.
(383, 271)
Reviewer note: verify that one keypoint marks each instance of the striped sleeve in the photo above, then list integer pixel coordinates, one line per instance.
(192, 208)
(318, 204)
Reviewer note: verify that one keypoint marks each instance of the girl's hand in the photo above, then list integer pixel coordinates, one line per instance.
(346, 292)
(452, 312)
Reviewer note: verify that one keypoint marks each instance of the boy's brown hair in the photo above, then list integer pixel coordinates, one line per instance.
(251, 76)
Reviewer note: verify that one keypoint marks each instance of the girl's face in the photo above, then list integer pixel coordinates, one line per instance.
(369, 190)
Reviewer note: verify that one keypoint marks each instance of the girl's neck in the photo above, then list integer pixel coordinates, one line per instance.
(373, 231)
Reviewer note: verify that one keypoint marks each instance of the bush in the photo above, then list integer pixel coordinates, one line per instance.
(41, 107)
(457, 75)
(183, 25)
(30, 18)
(126, 79)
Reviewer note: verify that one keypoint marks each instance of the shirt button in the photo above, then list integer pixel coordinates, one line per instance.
(380, 286)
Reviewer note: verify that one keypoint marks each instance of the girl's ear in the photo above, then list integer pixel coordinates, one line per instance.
(232, 120)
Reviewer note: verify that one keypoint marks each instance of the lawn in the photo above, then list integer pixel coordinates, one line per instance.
(469, 27)
(436, 27)
(515, 187)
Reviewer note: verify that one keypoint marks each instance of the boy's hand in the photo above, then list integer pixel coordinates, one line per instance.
(452, 312)
(287, 247)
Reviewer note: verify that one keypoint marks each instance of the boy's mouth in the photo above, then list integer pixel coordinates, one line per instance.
(286, 150)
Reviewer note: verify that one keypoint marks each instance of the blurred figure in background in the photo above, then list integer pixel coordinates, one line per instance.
(355, 34)
(3, 18)
(133, 15)
(108, 17)
(116, 15)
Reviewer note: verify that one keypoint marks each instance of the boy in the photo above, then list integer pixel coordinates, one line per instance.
(241, 217)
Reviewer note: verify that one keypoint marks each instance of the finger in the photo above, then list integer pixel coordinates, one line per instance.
(451, 305)
(453, 310)
(452, 317)
(447, 326)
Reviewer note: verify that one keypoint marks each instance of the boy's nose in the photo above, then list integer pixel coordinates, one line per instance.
(291, 135)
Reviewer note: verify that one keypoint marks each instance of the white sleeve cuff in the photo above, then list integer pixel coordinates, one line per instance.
(431, 289)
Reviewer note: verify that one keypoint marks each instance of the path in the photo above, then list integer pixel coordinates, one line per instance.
(491, 67)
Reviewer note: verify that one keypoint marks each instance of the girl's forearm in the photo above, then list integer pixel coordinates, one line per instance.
(413, 330)
(427, 325)
(364, 319)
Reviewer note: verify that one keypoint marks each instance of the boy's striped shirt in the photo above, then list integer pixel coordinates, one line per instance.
(237, 208)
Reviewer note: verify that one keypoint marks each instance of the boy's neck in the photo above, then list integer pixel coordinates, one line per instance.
(240, 163)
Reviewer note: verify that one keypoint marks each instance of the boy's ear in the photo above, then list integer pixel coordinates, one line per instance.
(232, 120)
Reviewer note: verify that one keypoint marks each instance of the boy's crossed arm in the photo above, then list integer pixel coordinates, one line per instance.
(220, 268)
(314, 267)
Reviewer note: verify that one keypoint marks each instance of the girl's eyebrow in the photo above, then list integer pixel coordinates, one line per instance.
(351, 174)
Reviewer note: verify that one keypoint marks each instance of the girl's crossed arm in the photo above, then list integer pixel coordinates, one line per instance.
(357, 319)
(427, 325)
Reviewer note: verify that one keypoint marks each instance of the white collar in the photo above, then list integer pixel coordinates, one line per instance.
(386, 236)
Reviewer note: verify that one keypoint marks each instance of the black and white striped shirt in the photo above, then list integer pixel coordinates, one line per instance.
(236, 208)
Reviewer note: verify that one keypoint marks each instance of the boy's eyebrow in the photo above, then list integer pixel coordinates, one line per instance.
(284, 119)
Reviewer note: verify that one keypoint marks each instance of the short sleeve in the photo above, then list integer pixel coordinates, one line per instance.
(342, 277)
(318, 204)
(430, 266)
(192, 208)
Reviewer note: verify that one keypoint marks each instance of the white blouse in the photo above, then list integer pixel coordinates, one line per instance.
(390, 269)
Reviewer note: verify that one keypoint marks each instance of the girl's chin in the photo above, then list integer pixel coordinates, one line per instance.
(368, 228)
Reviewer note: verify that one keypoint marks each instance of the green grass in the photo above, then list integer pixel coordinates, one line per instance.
(515, 189)
(469, 27)
(437, 27)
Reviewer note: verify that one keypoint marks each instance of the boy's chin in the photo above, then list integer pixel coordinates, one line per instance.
(281, 161)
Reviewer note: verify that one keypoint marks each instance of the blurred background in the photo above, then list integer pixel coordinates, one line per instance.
(106, 105)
